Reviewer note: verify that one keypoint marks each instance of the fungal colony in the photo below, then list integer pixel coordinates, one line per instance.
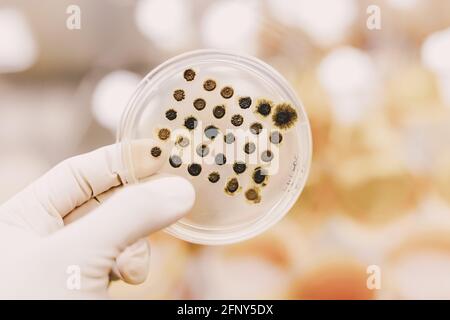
(275, 117)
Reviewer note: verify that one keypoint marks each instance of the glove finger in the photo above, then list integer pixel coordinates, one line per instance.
(133, 264)
(74, 182)
(90, 206)
(132, 213)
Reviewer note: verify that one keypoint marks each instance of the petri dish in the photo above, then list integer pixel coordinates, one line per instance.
(235, 129)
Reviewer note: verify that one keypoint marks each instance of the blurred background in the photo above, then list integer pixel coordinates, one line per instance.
(378, 195)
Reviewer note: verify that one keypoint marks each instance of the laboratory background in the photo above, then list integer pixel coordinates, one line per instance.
(373, 221)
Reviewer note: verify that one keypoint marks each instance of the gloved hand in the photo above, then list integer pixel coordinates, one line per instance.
(68, 233)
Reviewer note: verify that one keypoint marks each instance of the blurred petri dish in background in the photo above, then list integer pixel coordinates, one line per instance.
(423, 256)
(110, 97)
(239, 194)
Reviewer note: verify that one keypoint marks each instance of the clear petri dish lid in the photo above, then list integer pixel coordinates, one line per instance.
(235, 129)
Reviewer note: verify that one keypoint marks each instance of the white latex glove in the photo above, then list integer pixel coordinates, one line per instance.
(78, 219)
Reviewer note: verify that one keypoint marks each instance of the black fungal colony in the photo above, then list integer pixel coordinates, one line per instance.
(232, 186)
(190, 123)
(281, 117)
(245, 102)
(256, 128)
(194, 169)
(156, 152)
(259, 176)
(264, 107)
(220, 159)
(202, 150)
(211, 132)
(249, 147)
(219, 111)
(189, 75)
(214, 177)
(199, 104)
(267, 156)
(175, 161)
(227, 92)
(171, 114)
(178, 94)
(229, 138)
(209, 85)
(239, 167)
(237, 120)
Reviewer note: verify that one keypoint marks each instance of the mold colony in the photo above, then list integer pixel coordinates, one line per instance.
(178, 95)
(283, 116)
(155, 152)
(164, 134)
(189, 75)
